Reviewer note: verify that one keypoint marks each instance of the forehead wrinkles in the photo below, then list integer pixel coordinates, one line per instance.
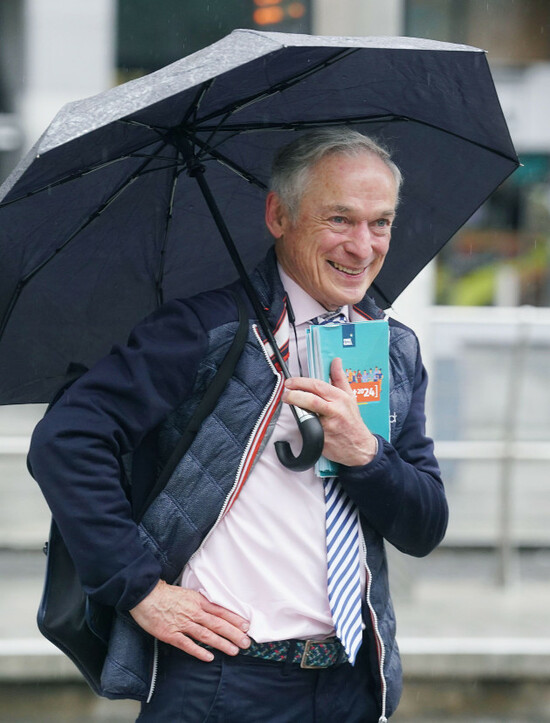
(341, 184)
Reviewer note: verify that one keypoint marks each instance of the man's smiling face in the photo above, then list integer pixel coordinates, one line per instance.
(337, 244)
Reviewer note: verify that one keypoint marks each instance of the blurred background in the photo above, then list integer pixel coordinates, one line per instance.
(473, 618)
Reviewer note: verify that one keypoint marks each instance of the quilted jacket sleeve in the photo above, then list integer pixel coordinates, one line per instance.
(400, 493)
(76, 450)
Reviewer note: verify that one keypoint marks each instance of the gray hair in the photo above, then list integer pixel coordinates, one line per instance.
(293, 162)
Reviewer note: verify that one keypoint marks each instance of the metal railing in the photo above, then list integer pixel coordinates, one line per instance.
(504, 452)
(512, 334)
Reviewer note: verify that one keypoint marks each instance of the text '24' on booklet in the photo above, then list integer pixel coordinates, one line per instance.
(364, 349)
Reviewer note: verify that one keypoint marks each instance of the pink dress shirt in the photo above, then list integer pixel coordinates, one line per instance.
(266, 559)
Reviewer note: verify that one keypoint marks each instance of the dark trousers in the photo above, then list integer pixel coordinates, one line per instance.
(247, 690)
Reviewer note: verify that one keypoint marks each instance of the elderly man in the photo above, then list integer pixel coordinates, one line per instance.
(221, 593)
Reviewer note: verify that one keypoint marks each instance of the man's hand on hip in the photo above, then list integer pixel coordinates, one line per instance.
(347, 439)
(179, 616)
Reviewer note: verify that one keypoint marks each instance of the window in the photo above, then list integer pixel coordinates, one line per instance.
(151, 35)
(512, 31)
(502, 255)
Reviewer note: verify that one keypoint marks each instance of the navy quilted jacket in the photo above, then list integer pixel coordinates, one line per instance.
(154, 383)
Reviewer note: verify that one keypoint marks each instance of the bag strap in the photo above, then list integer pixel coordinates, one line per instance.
(205, 407)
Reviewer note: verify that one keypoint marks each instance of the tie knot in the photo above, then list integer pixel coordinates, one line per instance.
(331, 317)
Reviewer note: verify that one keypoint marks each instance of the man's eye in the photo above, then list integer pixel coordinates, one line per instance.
(383, 222)
(338, 219)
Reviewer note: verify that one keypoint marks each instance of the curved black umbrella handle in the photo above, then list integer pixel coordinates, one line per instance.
(313, 440)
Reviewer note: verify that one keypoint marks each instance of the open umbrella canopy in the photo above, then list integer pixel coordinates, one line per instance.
(104, 218)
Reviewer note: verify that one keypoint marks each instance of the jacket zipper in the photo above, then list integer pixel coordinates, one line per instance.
(251, 438)
(380, 648)
(155, 669)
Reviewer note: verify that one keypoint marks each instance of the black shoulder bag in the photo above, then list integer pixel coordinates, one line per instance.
(78, 626)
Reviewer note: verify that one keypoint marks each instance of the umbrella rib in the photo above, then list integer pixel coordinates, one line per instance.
(221, 158)
(280, 86)
(194, 107)
(62, 181)
(215, 129)
(131, 122)
(237, 128)
(472, 142)
(82, 173)
(160, 275)
(153, 156)
(173, 164)
(25, 279)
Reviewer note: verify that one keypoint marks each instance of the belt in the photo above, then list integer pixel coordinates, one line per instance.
(310, 654)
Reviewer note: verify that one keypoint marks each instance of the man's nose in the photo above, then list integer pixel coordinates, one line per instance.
(364, 240)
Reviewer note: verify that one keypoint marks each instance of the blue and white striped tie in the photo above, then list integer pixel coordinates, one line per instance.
(331, 317)
(343, 553)
(344, 582)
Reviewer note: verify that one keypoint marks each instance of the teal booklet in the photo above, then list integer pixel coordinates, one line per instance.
(364, 349)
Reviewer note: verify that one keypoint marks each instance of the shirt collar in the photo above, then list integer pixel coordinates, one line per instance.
(303, 305)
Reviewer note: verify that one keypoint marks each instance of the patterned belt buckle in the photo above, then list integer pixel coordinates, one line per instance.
(304, 664)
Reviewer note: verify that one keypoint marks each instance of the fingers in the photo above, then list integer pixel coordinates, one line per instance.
(211, 629)
(191, 648)
(309, 393)
(228, 615)
(347, 439)
(195, 634)
(307, 400)
(338, 376)
(317, 395)
(203, 632)
(180, 617)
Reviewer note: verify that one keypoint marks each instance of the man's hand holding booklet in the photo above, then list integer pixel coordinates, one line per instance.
(364, 349)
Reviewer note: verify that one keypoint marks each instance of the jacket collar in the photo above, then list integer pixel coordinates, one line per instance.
(268, 285)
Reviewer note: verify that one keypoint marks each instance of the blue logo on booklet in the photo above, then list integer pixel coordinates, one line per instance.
(348, 335)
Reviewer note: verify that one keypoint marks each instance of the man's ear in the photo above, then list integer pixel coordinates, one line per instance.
(275, 215)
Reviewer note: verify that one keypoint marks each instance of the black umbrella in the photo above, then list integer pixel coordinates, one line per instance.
(106, 217)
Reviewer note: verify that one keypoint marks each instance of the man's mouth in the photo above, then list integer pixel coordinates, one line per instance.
(346, 269)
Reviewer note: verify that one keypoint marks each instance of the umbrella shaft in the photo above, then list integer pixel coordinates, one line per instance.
(198, 172)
